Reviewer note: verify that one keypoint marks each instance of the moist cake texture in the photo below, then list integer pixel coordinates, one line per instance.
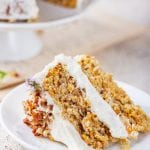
(132, 115)
(60, 106)
(62, 87)
(39, 114)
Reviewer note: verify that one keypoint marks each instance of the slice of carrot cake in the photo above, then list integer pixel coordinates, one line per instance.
(74, 102)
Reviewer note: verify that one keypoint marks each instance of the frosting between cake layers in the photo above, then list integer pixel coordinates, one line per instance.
(65, 132)
(62, 130)
(98, 106)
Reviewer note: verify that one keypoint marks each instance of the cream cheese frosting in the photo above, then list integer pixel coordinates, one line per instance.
(65, 132)
(98, 106)
(62, 130)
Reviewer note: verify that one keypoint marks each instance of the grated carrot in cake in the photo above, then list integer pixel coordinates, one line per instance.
(132, 115)
(71, 100)
(74, 102)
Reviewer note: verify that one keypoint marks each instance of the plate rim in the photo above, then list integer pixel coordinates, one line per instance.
(5, 126)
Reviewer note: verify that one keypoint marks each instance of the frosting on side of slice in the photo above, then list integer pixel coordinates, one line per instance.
(65, 132)
(62, 130)
(101, 108)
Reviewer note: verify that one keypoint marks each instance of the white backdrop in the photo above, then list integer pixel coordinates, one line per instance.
(134, 10)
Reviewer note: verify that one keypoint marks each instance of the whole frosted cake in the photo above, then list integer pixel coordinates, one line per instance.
(74, 102)
(18, 10)
(28, 10)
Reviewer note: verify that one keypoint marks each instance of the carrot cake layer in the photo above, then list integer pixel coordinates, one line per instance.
(75, 107)
(133, 117)
(44, 118)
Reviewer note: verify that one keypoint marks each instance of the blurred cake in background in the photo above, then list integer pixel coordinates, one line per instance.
(68, 3)
(18, 10)
(28, 10)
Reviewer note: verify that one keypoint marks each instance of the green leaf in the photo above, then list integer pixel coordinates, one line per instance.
(2, 74)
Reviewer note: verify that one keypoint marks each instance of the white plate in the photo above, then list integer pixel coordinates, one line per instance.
(11, 115)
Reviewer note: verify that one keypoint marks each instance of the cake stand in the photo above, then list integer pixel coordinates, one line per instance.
(19, 41)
